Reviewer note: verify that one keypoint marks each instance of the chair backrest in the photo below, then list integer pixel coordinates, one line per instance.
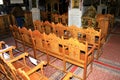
(64, 19)
(48, 27)
(39, 39)
(60, 29)
(26, 35)
(92, 36)
(76, 32)
(15, 32)
(75, 49)
(53, 43)
(38, 25)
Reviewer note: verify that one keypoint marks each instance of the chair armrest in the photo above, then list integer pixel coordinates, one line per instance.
(91, 50)
(18, 57)
(7, 49)
(67, 76)
(39, 66)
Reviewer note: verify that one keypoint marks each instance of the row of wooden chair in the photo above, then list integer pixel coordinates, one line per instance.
(93, 36)
(68, 50)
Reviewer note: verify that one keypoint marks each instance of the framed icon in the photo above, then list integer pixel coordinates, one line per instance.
(75, 3)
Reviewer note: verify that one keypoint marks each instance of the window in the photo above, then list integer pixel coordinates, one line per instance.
(1, 1)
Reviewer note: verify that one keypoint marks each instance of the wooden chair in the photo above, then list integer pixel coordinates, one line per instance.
(54, 48)
(48, 27)
(94, 37)
(6, 70)
(16, 69)
(76, 32)
(60, 30)
(56, 18)
(17, 37)
(64, 19)
(79, 54)
(27, 40)
(38, 25)
(39, 41)
(103, 24)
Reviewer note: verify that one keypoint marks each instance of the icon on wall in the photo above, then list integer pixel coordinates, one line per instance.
(75, 3)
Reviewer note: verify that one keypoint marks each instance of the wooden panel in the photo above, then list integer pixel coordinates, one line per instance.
(4, 26)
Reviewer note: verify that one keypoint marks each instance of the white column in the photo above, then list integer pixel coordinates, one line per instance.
(75, 13)
(36, 12)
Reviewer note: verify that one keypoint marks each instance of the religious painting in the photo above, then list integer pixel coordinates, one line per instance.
(75, 3)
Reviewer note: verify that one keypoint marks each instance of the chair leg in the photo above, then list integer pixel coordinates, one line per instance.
(34, 51)
(64, 64)
(84, 73)
(16, 44)
(48, 58)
